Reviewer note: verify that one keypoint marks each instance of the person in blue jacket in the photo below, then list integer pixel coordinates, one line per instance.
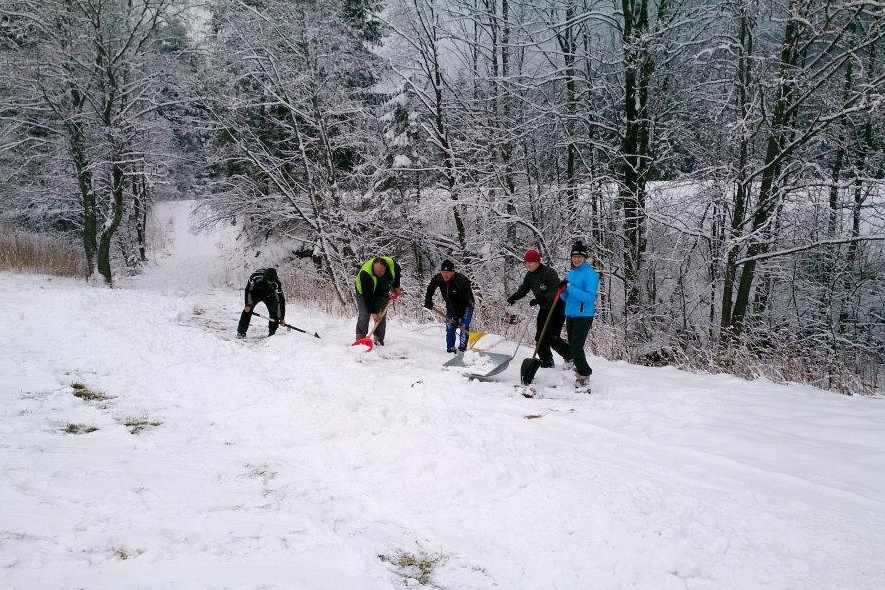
(581, 284)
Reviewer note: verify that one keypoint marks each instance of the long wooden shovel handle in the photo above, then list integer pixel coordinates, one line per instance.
(367, 339)
(547, 321)
(381, 317)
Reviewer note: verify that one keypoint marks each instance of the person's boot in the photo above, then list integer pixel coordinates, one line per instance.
(240, 335)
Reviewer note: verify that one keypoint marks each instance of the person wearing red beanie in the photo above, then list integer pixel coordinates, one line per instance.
(543, 281)
(532, 256)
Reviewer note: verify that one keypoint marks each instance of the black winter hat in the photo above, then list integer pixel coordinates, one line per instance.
(447, 265)
(579, 248)
(271, 274)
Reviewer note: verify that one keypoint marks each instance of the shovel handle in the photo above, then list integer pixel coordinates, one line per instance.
(285, 324)
(367, 339)
(547, 321)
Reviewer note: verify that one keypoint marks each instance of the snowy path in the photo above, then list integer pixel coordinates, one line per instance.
(294, 463)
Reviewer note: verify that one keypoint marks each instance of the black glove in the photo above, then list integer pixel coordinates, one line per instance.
(511, 301)
(533, 302)
(562, 284)
(428, 305)
(454, 322)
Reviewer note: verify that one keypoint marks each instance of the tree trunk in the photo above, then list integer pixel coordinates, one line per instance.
(141, 200)
(568, 45)
(82, 169)
(742, 184)
(87, 195)
(768, 192)
(635, 144)
(110, 227)
(506, 120)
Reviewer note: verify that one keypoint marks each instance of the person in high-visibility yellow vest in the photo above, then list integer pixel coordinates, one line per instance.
(377, 283)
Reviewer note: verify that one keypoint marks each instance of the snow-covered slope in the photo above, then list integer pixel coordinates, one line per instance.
(302, 463)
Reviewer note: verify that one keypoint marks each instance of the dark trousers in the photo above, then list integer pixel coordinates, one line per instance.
(273, 310)
(577, 330)
(552, 336)
(362, 321)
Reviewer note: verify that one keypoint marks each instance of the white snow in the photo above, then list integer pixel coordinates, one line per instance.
(296, 463)
(400, 160)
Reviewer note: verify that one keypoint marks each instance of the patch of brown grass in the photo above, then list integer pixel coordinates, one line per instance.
(24, 251)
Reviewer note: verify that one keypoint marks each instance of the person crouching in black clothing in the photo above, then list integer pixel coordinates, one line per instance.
(263, 287)
(543, 281)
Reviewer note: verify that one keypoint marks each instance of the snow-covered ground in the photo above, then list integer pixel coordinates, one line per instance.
(302, 463)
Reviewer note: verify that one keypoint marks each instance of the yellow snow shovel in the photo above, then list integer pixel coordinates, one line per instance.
(472, 336)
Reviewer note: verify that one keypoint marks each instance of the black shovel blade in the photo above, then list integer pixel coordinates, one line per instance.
(528, 369)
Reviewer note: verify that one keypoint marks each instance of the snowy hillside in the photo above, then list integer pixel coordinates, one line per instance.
(306, 464)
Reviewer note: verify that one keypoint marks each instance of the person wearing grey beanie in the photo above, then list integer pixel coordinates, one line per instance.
(580, 287)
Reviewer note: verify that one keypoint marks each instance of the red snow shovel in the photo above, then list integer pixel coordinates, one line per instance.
(530, 366)
(367, 340)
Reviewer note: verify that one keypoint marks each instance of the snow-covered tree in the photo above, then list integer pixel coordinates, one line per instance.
(288, 85)
(80, 116)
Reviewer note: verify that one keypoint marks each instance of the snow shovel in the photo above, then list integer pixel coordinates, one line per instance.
(490, 363)
(530, 366)
(472, 336)
(286, 325)
(367, 339)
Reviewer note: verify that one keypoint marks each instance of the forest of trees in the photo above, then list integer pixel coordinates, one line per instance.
(723, 158)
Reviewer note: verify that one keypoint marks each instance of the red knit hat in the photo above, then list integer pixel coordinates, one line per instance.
(531, 256)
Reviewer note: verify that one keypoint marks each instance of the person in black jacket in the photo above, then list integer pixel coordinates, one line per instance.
(543, 281)
(458, 295)
(263, 287)
(377, 283)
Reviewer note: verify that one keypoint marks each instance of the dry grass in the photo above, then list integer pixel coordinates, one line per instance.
(89, 395)
(415, 569)
(138, 425)
(783, 360)
(23, 251)
(72, 428)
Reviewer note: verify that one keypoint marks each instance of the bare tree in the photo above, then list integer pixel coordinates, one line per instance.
(816, 47)
(87, 86)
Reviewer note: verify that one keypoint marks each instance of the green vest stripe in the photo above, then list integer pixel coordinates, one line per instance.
(367, 268)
